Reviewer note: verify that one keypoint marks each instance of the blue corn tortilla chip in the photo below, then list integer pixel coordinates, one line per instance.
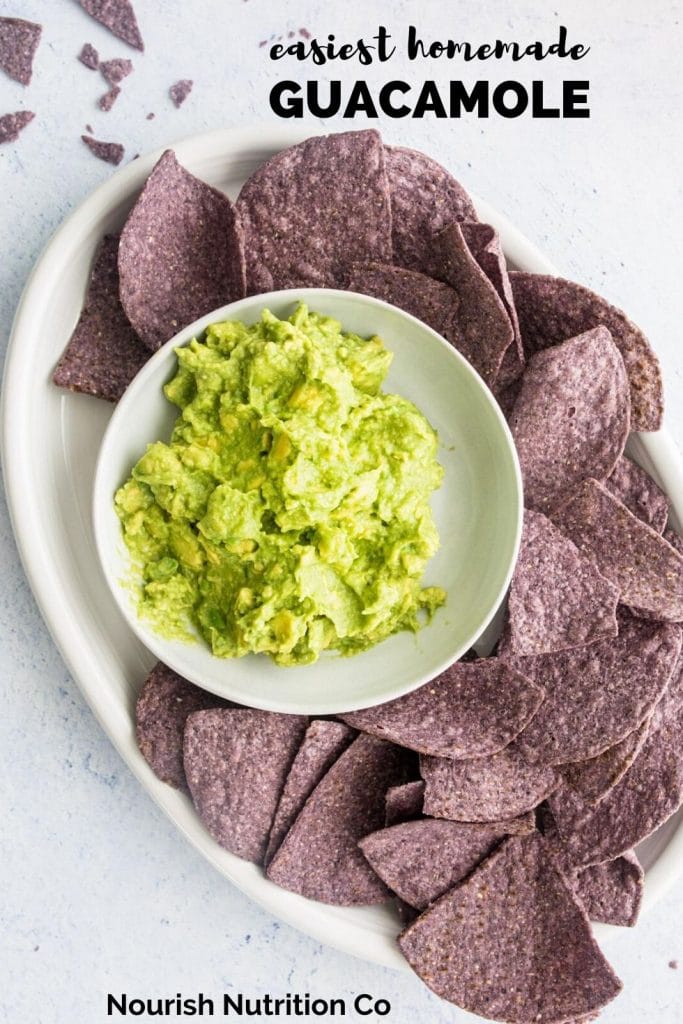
(485, 331)
(676, 543)
(672, 699)
(672, 538)
(637, 490)
(594, 778)
(119, 17)
(404, 803)
(486, 788)
(645, 567)
(551, 310)
(431, 301)
(196, 263)
(180, 90)
(104, 352)
(236, 763)
(598, 694)
(572, 416)
(19, 41)
(420, 860)
(323, 743)
(484, 244)
(612, 892)
(464, 309)
(161, 711)
(470, 710)
(12, 125)
(425, 197)
(647, 795)
(319, 857)
(110, 152)
(512, 942)
(313, 210)
(558, 599)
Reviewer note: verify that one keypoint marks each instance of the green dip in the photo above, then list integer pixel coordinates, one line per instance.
(290, 511)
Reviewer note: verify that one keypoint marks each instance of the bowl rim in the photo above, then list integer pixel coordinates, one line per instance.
(101, 503)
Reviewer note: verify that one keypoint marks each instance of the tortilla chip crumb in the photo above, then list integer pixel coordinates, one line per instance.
(11, 125)
(89, 57)
(114, 71)
(107, 101)
(180, 90)
(110, 152)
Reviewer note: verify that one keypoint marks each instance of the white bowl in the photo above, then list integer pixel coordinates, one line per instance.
(478, 512)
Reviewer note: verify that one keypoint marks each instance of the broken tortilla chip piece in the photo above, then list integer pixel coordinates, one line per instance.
(114, 71)
(196, 263)
(107, 101)
(319, 857)
(110, 152)
(180, 90)
(12, 125)
(550, 310)
(572, 416)
(470, 710)
(19, 41)
(119, 17)
(314, 209)
(512, 943)
(89, 57)
(236, 764)
(558, 599)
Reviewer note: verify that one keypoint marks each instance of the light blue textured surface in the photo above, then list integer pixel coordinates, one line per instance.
(101, 894)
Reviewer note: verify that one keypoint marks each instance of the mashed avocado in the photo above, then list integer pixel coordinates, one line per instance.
(289, 513)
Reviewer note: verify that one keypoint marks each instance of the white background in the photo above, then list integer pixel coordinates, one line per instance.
(101, 894)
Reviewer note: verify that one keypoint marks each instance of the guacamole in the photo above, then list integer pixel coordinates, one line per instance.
(289, 512)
